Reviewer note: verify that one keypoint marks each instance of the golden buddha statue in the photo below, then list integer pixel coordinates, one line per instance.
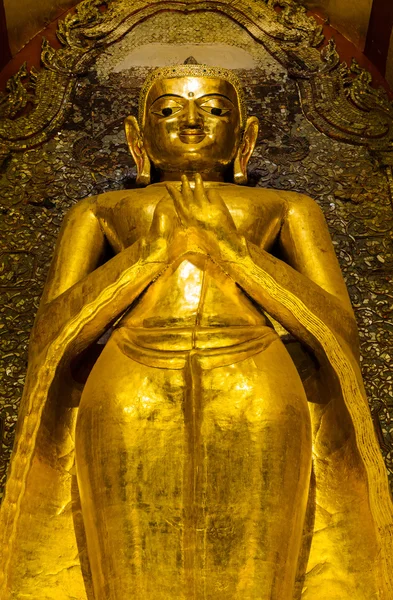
(221, 446)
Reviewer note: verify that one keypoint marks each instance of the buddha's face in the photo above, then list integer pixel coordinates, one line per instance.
(192, 124)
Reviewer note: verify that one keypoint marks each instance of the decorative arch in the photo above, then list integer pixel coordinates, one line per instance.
(339, 100)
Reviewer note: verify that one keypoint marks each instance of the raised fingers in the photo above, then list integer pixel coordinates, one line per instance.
(180, 203)
(186, 190)
(200, 197)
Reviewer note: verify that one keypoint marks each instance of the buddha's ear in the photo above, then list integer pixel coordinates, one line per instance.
(135, 144)
(246, 148)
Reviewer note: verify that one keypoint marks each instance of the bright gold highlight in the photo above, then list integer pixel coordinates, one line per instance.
(171, 445)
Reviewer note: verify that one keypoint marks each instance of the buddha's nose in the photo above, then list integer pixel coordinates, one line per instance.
(193, 118)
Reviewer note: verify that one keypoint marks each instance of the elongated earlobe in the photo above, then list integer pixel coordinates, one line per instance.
(239, 176)
(143, 175)
(245, 151)
(135, 144)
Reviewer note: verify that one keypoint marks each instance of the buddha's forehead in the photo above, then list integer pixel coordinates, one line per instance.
(189, 87)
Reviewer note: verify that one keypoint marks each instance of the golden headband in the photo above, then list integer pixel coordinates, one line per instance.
(192, 70)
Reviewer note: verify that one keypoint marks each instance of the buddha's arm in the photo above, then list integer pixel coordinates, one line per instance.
(306, 245)
(80, 287)
(310, 274)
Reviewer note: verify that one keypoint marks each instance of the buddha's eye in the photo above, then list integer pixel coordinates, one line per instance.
(216, 106)
(165, 107)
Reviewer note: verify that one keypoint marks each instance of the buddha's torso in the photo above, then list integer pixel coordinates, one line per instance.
(195, 294)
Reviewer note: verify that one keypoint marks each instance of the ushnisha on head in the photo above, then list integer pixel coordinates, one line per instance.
(192, 119)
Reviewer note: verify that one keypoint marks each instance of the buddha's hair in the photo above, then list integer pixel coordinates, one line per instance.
(192, 70)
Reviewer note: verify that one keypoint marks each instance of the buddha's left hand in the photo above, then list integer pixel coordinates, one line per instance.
(206, 217)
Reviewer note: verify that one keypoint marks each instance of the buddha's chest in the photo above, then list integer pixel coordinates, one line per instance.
(130, 217)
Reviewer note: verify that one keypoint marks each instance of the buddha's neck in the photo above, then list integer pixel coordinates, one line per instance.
(206, 176)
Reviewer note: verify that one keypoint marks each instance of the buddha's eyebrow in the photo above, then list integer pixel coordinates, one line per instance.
(215, 95)
(167, 96)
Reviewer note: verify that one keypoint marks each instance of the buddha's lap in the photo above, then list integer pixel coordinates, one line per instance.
(193, 462)
(165, 453)
(134, 404)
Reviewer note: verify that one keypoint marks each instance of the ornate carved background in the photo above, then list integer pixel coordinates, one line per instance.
(325, 132)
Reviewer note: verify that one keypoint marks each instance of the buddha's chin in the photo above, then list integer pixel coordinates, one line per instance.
(193, 159)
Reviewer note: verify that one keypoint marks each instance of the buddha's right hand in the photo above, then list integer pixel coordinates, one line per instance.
(166, 240)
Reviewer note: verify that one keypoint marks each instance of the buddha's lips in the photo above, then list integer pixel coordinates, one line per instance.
(192, 136)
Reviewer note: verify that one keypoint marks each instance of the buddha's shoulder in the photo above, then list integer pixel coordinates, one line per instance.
(136, 195)
(112, 199)
(230, 192)
(264, 195)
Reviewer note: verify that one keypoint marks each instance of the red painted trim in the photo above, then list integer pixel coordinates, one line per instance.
(31, 53)
(347, 50)
(379, 32)
(5, 52)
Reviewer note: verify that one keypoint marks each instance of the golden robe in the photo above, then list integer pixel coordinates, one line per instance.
(345, 551)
